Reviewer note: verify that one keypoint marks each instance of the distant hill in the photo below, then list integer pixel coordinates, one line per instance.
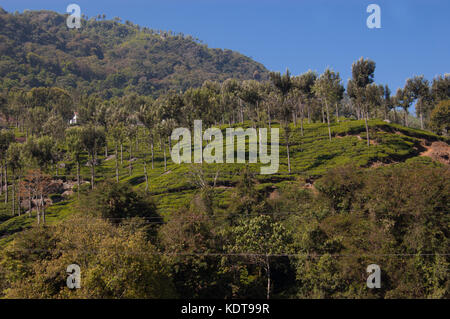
(109, 57)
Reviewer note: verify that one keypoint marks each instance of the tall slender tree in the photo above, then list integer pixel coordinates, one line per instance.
(75, 147)
(362, 75)
(283, 84)
(418, 88)
(93, 139)
(329, 89)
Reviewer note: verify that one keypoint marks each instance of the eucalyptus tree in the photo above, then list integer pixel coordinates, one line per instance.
(40, 152)
(3, 104)
(283, 84)
(374, 97)
(388, 101)
(102, 113)
(229, 92)
(92, 138)
(251, 95)
(75, 147)
(440, 88)
(88, 109)
(117, 118)
(14, 158)
(404, 99)
(198, 103)
(36, 117)
(6, 138)
(329, 90)
(131, 133)
(54, 100)
(55, 127)
(440, 116)
(271, 101)
(147, 116)
(362, 75)
(164, 129)
(17, 106)
(419, 90)
(259, 239)
(304, 84)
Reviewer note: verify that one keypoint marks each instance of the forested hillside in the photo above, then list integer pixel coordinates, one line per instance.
(87, 176)
(109, 57)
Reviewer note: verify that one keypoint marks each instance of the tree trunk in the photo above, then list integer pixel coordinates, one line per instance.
(152, 155)
(121, 154)
(328, 121)
(421, 120)
(288, 157)
(130, 168)
(137, 142)
(92, 172)
(43, 209)
(301, 126)
(146, 177)
(165, 160)
(19, 212)
(38, 212)
(29, 203)
(309, 115)
(337, 112)
(6, 183)
(1, 179)
(170, 142)
(367, 129)
(78, 179)
(13, 186)
(117, 165)
(323, 115)
(131, 151)
(241, 111)
(106, 150)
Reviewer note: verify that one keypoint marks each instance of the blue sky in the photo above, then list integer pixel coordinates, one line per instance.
(299, 35)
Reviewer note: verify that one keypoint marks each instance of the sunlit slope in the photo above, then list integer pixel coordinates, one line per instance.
(311, 156)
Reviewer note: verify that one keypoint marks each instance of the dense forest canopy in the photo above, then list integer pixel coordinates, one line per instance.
(109, 57)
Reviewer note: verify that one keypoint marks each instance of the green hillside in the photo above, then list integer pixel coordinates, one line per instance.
(108, 57)
(86, 175)
(311, 157)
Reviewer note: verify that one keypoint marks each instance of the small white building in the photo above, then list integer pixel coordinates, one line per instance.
(74, 120)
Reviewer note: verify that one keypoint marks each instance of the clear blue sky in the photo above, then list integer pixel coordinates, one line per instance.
(299, 35)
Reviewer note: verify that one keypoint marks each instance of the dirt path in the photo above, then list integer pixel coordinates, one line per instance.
(438, 151)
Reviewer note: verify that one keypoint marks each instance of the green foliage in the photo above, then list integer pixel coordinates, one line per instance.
(187, 239)
(117, 262)
(391, 216)
(109, 57)
(440, 117)
(115, 202)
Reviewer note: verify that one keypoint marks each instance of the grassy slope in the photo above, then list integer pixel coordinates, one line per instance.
(311, 156)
